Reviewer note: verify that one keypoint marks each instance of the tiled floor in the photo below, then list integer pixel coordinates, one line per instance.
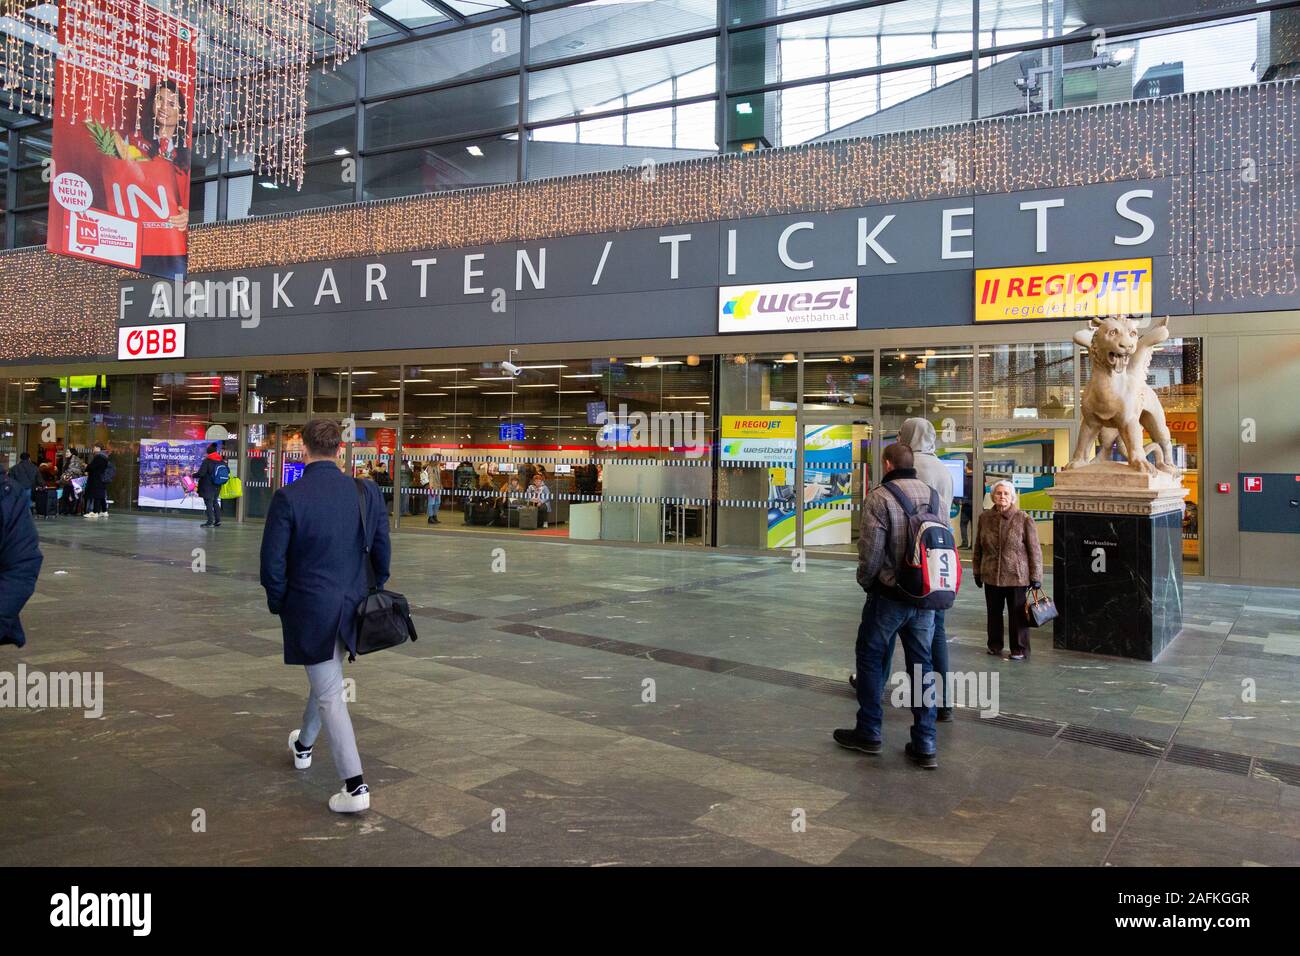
(521, 728)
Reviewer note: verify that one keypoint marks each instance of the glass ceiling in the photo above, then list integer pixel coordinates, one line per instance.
(592, 26)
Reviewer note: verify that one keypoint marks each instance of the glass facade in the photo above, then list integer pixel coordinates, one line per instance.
(478, 92)
(742, 450)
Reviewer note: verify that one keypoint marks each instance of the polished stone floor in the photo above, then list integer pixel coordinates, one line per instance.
(521, 728)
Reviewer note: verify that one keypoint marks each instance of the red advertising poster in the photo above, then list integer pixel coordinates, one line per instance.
(123, 115)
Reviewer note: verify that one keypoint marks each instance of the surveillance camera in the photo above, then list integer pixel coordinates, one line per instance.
(512, 368)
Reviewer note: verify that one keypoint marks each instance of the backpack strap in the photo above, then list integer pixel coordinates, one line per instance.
(934, 505)
(904, 502)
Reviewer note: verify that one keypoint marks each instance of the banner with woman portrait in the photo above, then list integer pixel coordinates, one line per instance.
(123, 117)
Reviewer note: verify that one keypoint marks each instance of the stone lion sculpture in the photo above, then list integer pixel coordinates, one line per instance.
(1117, 400)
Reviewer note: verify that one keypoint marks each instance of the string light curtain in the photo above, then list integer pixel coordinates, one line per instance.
(253, 64)
(1230, 156)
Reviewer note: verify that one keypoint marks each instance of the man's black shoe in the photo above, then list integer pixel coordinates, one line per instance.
(945, 715)
(853, 681)
(850, 739)
(206, 524)
(928, 761)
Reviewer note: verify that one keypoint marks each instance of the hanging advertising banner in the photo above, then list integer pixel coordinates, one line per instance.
(123, 115)
(1071, 290)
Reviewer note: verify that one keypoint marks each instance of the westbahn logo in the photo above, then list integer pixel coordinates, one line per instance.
(742, 305)
(789, 306)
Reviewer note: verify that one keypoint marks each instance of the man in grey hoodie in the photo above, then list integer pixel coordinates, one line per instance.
(918, 434)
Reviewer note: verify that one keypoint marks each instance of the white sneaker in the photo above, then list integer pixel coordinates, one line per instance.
(546, 524)
(351, 801)
(301, 758)
(89, 514)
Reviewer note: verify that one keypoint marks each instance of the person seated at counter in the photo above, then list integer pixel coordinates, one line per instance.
(540, 495)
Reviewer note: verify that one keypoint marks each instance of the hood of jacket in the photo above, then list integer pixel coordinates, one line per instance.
(213, 456)
(917, 434)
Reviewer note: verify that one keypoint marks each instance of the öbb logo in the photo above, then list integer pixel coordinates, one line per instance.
(157, 343)
(151, 341)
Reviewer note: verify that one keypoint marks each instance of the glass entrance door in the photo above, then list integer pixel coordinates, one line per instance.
(1028, 456)
(274, 453)
(837, 470)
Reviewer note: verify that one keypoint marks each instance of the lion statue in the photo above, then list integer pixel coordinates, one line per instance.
(1117, 400)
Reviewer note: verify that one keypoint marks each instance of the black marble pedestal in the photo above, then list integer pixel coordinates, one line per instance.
(1118, 582)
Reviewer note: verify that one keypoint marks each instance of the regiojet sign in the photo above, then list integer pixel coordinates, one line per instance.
(789, 306)
(151, 341)
(1068, 290)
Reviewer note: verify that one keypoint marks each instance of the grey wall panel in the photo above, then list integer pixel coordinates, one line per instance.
(1226, 132)
(1163, 299)
(636, 262)
(1220, 297)
(1269, 374)
(627, 315)
(1220, 457)
(892, 302)
(1247, 208)
(1082, 230)
(912, 238)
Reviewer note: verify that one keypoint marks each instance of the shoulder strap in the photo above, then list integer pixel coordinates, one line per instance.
(934, 505)
(904, 502)
(365, 534)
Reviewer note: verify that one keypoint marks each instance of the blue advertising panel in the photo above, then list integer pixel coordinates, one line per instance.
(166, 465)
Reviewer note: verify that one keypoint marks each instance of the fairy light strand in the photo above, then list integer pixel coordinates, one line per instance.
(254, 61)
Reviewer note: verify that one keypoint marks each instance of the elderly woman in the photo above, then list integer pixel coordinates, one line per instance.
(1007, 560)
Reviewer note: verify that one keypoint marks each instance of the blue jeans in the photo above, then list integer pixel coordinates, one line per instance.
(938, 657)
(882, 620)
(435, 502)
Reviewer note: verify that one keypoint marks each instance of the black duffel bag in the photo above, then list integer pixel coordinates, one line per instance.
(383, 617)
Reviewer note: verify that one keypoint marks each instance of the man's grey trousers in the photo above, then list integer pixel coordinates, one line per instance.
(325, 705)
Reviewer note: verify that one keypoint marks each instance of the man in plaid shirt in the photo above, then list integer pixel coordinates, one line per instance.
(888, 612)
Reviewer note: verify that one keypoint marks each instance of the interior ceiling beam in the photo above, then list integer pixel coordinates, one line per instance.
(397, 25)
(447, 10)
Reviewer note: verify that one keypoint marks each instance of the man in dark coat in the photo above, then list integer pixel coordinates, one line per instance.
(20, 560)
(314, 573)
(97, 484)
(24, 476)
(209, 490)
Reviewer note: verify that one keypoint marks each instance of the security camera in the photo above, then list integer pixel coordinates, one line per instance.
(512, 368)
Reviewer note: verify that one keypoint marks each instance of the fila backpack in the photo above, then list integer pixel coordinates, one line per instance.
(931, 571)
